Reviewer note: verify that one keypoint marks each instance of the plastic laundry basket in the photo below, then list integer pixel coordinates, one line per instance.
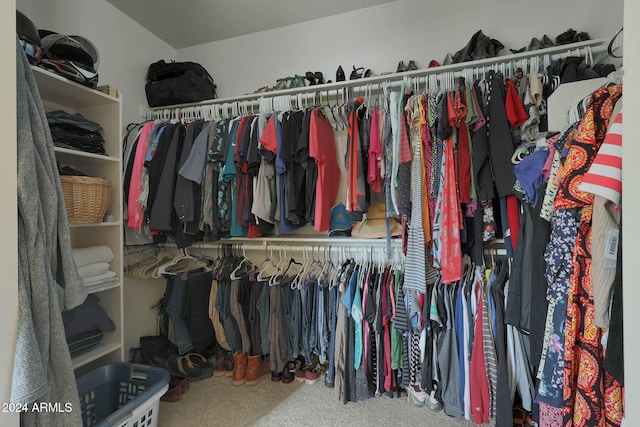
(122, 394)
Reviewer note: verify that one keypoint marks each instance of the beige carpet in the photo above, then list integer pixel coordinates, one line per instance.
(216, 402)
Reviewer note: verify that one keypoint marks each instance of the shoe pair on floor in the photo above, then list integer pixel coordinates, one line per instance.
(309, 374)
(192, 366)
(421, 398)
(286, 376)
(248, 370)
(178, 386)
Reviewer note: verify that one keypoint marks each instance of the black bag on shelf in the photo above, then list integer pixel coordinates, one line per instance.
(178, 83)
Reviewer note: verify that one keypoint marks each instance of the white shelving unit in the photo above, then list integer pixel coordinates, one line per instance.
(59, 93)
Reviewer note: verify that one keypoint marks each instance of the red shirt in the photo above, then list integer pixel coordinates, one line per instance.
(322, 147)
(268, 138)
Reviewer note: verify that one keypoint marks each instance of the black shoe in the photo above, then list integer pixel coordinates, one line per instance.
(340, 74)
(356, 73)
(546, 41)
(319, 77)
(412, 65)
(534, 44)
(566, 37)
(401, 67)
(311, 77)
(288, 376)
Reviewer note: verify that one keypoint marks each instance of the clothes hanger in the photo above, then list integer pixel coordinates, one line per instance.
(335, 123)
(344, 120)
(264, 265)
(291, 262)
(274, 279)
(164, 269)
(295, 283)
(234, 274)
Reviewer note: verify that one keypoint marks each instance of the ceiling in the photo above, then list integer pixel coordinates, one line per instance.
(191, 22)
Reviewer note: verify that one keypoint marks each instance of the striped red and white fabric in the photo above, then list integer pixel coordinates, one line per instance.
(605, 175)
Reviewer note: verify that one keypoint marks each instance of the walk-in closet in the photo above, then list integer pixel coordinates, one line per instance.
(290, 213)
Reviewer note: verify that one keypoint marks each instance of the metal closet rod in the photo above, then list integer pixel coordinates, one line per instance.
(395, 79)
(298, 243)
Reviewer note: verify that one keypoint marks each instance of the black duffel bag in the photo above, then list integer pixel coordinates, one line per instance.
(178, 83)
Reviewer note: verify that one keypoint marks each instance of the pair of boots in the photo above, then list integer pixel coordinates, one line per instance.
(248, 369)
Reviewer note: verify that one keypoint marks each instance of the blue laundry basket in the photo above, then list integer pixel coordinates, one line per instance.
(122, 394)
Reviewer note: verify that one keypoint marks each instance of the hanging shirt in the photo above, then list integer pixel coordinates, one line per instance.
(322, 148)
(500, 141)
(281, 179)
(136, 214)
(451, 261)
(605, 174)
(356, 191)
(183, 201)
(356, 314)
(375, 153)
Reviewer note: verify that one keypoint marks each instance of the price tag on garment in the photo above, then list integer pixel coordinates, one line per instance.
(611, 248)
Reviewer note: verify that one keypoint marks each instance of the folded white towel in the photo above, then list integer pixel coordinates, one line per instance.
(93, 269)
(92, 254)
(93, 279)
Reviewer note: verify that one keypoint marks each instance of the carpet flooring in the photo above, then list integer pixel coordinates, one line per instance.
(217, 402)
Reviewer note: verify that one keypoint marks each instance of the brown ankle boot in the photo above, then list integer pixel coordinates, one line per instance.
(239, 368)
(257, 368)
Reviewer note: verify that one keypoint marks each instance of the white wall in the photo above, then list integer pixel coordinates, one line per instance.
(126, 49)
(631, 205)
(379, 37)
(9, 197)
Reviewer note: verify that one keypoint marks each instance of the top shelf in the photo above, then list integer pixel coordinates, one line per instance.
(561, 50)
(67, 92)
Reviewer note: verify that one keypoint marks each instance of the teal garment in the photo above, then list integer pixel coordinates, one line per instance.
(229, 174)
(356, 313)
(347, 298)
(223, 185)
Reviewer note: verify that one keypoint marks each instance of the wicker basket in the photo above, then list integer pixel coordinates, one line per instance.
(86, 198)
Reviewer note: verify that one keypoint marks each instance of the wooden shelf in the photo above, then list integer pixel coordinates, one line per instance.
(67, 155)
(102, 349)
(104, 286)
(97, 224)
(69, 93)
(59, 93)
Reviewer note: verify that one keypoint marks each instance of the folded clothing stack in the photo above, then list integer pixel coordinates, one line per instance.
(76, 132)
(93, 265)
(85, 324)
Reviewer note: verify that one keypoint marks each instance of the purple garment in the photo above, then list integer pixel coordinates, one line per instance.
(529, 174)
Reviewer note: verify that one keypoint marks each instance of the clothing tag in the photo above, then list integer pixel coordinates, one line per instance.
(611, 248)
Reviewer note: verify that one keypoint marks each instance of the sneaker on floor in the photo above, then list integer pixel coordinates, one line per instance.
(417, 398)
(434, 404)
(312, 376)
(300, 375)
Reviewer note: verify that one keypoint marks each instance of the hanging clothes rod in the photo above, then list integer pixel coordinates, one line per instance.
(395, 79)
(299, 242)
